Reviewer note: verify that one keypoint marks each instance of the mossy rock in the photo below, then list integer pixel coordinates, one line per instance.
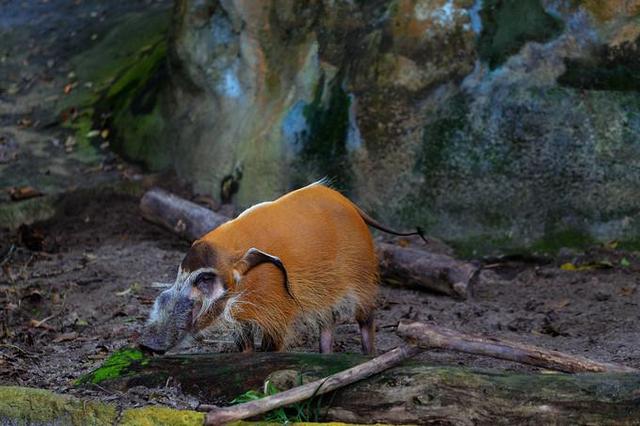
(153, 416)
(27, 406)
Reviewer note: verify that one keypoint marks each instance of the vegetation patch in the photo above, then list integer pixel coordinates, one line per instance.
(304, 411)
(133, 105)
(507, 25)
(118, 82)
(152, 416)
(114, 366)
(325, 143)
(554, 240)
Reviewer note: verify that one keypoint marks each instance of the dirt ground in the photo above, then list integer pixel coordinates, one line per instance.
(77, 287)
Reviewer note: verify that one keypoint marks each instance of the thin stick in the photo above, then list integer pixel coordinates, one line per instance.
(249, 409)
(428, 336)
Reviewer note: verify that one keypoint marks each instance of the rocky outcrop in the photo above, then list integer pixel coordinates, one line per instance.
(495, 124)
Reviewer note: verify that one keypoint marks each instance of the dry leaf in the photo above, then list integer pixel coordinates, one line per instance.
(41, 324)
(23, 193)
(402, 242)
(124, 292)
(602, 264)
(627, 291)
(560, 304)
(65, 337)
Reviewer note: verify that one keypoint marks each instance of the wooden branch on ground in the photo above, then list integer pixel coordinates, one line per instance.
(410, 267)
(399, 265)
(189, 220)
(319, 387)
(428, 336)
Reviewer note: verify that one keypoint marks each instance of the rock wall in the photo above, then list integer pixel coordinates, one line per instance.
(495, 124)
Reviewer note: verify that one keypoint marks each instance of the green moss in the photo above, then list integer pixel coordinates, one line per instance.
(133, 101)
(609, 68)
(114, 54)
(113, 366)
(510, 24)
(472, 247)
(125, 70)
(159, 416)
(439, 137)
(325, 143)
(28, 211)
(554, 240)
(26, 406)
(331, 364)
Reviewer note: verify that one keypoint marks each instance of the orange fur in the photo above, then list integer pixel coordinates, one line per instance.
(326, 248)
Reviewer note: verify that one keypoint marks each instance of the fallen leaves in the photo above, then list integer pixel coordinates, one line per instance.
(69, 144)
(66, 337)
(628, 291)
(602, 264)
(42, 323)
(23, 193)
(25, 122)
(563, 303)
(134, 288)
(124, 292)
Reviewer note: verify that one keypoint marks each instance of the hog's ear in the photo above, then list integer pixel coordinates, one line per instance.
(254, 257)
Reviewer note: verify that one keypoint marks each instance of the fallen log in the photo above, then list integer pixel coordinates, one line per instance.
(410, 267)
(411, 393)
(221, 415)
(189, 220)
(399, 265)
(428, 336)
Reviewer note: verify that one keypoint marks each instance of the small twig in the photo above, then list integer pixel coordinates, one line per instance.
(37, 324)
(19, 349)
(7, 257)
(218, 416)
(57, 272)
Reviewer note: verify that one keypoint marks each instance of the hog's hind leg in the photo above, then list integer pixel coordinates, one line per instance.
(367, 331)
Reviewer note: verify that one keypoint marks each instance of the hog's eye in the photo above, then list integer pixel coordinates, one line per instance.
(204, 279)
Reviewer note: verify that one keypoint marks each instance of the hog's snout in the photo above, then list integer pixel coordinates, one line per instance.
(169, 322)
(149, 344)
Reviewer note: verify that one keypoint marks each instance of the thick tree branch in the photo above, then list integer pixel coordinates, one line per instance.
(428, 336)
